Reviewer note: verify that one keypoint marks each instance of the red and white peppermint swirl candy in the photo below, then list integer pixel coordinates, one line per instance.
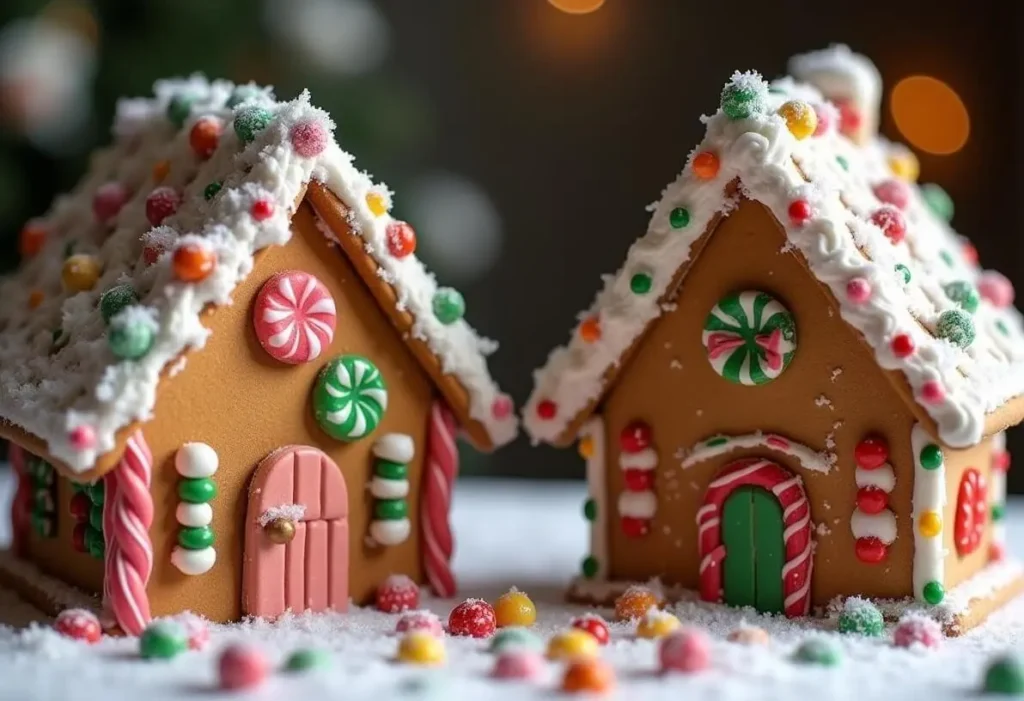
(295, 317)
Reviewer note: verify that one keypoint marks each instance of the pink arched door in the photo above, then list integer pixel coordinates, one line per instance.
(296, 535)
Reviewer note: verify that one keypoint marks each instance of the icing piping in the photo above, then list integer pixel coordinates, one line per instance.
(929, 495)
(597, 485)
(815, 461)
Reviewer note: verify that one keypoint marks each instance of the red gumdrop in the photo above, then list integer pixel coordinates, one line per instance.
(401, 239)
(800, 212)
(902, 345)
(108, 201)
(397, 593)
(473, 618)
(635, 437)
(546, 409)
(80, 506)
(996, 552)
(872, 500)
(871, 453)
(262, 210)
(871, 550)
(892, 223)
(595, 625)
(309, 138)
(161, 203)
(242, 667)
(894, 192)
(639, 480)
(78, 624)
(635, 527)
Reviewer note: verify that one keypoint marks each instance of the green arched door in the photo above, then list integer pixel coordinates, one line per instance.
(754, 550)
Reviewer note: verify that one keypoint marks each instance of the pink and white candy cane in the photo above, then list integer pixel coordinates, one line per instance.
(295, 317)
(127, 516)
(442, 466)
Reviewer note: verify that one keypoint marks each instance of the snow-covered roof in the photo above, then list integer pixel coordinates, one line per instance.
(228, 195)
(965, 356)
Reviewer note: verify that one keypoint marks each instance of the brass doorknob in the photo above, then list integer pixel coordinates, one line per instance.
(281, 530)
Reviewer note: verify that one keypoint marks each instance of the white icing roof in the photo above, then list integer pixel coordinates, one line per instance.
(839, 243)
(51, 393)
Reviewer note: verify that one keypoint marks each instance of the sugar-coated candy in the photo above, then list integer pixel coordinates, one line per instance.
(242, 667)
(801, 119)
(306, 659)
(686, 650)
(572, 644)
(818, 651)
(309, 137)
(421, 648)
(861, 617)
(193, 262)
(31, 239)
(397, 593)
(474, 618)
(401, 239)
(250, 120)
(161, 203)
(80, 272)
(996, 288)
(916, 630)
(163, 640)
(426, 621)
(514, 608)
(519, 663)
(635, 602)
(116, 299)
(78, 624)
(595, 625)
(108, 200)
(515, 638)
(749, 635)
(1005, 675)
(205, 135)
(656, 624)
(196, 629)
(591, 676)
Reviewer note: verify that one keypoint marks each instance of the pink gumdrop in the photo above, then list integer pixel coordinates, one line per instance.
(519, 664)
(858, 290)
(502, 407)
(826, 114)
(914, 630)
(242, 667)
(687, 650)
(996, 288)
(309, 138)
(894, 192)
(420, 620)
(196, 629)
(108, 201)
(83, 437)
(932, 392)
(78, 624)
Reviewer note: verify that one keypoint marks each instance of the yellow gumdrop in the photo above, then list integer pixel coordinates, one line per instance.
(656, 624)
(930, 524)
(573, 644)
(800, 117)
(905, 166)
(421, 648)
(586, 447)
(514, 608)
(377, 204)
(80, 273)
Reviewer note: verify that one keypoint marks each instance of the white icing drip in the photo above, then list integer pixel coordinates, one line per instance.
(597, 488)
(883, 477)
(84, 384)
(382, 488)
(646, 459)
(395, 447)
(997, 487)
(929, 495)
(194, 515)
(763, 155)
(638, 504)
(815, 461)
(288, 512)
(881, 525)
(390, 532)
(196, 460)
(193, 562)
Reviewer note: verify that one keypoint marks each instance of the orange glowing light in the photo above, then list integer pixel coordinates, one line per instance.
(930, 115)
(577, 7)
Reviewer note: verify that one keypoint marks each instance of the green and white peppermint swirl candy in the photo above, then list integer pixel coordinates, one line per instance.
(750, 337)
(350, 398)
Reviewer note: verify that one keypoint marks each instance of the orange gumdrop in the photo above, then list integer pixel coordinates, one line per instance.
(205, 136)
(160, 171)
(590, 329)
(705, 165)
(32, 239)
(634, 603)
(593, 676)
(193, 262)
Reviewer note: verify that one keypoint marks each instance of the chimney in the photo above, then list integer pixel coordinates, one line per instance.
(849, 80)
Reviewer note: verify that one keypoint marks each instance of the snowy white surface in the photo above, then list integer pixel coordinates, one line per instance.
(533, 540)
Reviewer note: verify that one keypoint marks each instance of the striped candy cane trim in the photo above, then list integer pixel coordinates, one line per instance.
(442, 467)
(796, 518)
(127, 517)
(21, 508)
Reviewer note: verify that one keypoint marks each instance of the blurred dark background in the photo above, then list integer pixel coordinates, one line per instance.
(523, 141)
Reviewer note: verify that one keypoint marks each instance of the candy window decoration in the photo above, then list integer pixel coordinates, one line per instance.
(971, 511)
(294, 317)
(350, 398)
(750, 337)
(87, 511)
(873, 523)
(390, 488)
(43, 477)
(637, 458)
(196, 463)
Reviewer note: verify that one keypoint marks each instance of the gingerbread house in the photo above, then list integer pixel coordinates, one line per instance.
(229, 384)
(795, 388)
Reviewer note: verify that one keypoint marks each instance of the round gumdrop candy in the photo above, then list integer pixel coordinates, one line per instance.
(397, 593)
(116, 299)
(425, 621)
(196, 629)
(817, 651)
(519, 664)
(205, 135)
(163, 640)
(161, 203)
(914, 630)
(995, 288)
(401, 239)
(448, 305)
(656, 624)
(108, 200)
(514, 608)
(421, 648)
(515, 638)
(309, 137)
(955, 326)
(801, 119)
(1005, 675)
(590, 676)
(634, 603)
(861, 617)
(130, 339)
(80, 272)
(595, 625)
(242, 667)
(78, 624)
(749, 635)
(686, 650)
(572, 644)
(250, 120)
(307, 659)
(473, 618)
(193, 262)
(894, 192)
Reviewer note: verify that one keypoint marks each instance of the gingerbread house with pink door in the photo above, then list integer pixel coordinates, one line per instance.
(229, 384)
(794, 391)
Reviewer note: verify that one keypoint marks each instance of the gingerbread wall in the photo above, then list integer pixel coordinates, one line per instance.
(57, 555)
(830, 397)
(957, 462)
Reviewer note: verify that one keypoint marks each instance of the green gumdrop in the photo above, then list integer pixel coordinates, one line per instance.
(130, 340)
(956, 326)
(196, 538)
(211, 190)
(449, 306)
(304, 660)
(998, 512)
(641, 283)
(742, 99)
(590, 509)
(817, 651)
(179, 108)
(938, 201)
(385, 469)
(964, 294)
(42, 524)
(1005, 675)
(934, 593)
(116, 299)
(589, 567)
(197, 491)
(96, 517)
(96, 493)
(679, 217)
(931, 457)
(163, 640)
(861, 617)
(390, 509)
(250, 120)
(515, 638)
(93, 539)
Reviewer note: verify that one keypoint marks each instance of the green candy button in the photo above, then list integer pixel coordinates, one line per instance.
(391, 509)
(195, 538)
(197, 491)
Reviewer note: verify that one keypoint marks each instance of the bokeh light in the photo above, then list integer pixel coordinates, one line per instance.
(930, 114)
(577, 7)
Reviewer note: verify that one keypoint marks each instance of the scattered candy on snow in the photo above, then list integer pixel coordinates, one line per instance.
(397, 593)
(861, 617)
(163, 640)
(421, 648)
(515, 638)
(595, 625)
(425, 621)
(817, 651)
(519, 664)
(634, 603)
(474, 618)
(915, 630)
(306, 659)
(1005, 675)
(572, 644)
(594, 676)
(78, 624)
(514, 608)
(686, 650)
(749, 635)
(657, 624)
(242, 667)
